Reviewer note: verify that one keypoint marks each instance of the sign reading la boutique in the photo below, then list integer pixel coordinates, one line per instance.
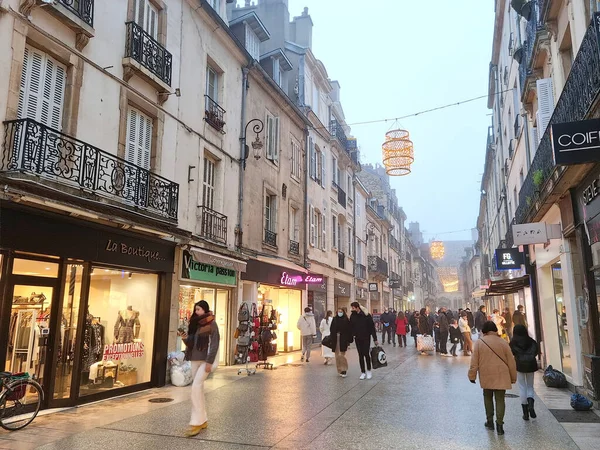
(508, 258)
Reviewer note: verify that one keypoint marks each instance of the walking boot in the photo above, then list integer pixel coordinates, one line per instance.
(530, 403)
(500, 429)
(525, 412)
(489, 425)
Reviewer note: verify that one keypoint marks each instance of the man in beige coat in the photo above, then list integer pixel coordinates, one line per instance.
(495, 363)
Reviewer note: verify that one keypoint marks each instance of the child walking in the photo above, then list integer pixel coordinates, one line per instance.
(455, 336)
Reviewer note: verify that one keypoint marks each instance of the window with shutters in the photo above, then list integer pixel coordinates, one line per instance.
(312, 166)
(323, 233)
(208, 183)
(340, 237)
(270, 213)
(318, 166)
(350, 252)
(294, 227)
(323, 168)
(146, 16)
(139, 138)
(272, 137)
(252, 43)
(334, 232)
(42, 90)
(296, 160)
(212, 84)
(545, 94)
(334, 170)
(312, 225)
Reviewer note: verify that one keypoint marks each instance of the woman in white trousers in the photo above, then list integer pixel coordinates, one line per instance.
(526, 351)
(325, 329)
(202, 341)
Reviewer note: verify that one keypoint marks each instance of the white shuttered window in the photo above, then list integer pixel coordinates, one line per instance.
(139, 138)
(146, 16)
(312, 220)
(42, 91)
(545, 94)
(272, 137)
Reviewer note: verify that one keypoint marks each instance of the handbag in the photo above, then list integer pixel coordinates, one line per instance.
(425, 343)
(378, 358)
(407, 328)
(244, 313)
(243, 327)
(273, 336)
(244, 341)
(328, 342)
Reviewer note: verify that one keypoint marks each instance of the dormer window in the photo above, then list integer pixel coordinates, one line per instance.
(252, 43)
(276, 71)
(249, 29)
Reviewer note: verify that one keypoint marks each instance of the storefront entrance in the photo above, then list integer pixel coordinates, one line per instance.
(561, 318)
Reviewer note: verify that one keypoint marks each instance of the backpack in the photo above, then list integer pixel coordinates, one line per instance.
(243, 313)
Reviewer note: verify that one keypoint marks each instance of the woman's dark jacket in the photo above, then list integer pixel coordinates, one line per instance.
(341, 325)
(362, 326)
(424, 325)
(525, 350)
(414, 326)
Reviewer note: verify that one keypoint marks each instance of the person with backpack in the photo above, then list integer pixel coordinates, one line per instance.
(342, 333)
(308, 330)
(414, 325)
(325, 329)
(363, 329)
(525, 350)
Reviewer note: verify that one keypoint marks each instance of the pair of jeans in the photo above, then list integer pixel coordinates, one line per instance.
(436, 337)
(468, 346)
(453, 349)
(306, 346)
(341, 363)
(443, 341)
(525, 382)
(489, 395)
(401, 338)
(199, 376)
(363, 354)
(387, 331)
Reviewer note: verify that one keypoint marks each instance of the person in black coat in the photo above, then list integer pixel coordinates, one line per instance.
(443, 330)
(525, 350)
(341, 331)
(413, 321)
(363, 329)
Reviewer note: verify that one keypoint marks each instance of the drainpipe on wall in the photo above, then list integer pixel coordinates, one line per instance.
(238, 229)
(305, 226)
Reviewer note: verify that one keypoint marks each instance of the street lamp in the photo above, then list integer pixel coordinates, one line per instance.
(257, 144)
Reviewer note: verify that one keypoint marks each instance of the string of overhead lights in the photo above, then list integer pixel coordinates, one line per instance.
(446, 232)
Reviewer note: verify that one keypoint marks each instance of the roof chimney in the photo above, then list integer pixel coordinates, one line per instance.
(303, 26)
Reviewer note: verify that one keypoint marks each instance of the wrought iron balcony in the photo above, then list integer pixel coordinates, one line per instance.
(213, 225)
(32, 148)
(575, 102)
(271, 238)
(294, 248)
(213, 114)
(337, 131)
(361, 272)
(341, 260)
(517, 126)
(395, 244)
(378, 268)
(84, 9)
(144, 49)
(341, 197)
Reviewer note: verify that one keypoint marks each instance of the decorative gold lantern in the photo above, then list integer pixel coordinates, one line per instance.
(398, 152)
(436, 249)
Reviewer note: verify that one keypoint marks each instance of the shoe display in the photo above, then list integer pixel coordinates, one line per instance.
(363, 376)
(369, 375)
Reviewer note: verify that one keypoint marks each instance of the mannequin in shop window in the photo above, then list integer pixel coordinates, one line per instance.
(93, 345)
(128, 326)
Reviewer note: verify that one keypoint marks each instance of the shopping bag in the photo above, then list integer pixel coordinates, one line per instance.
(580, 403)
(328, 341)
(378, 358)
(554, 378)
(425, 343)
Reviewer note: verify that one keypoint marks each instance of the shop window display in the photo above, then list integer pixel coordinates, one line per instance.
(288, 304)
(118, 336)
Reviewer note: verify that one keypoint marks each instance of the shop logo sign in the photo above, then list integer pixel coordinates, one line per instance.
(576, 142)
(289, 280)
(116, 352)
(507, 259)
(373, 287)
(194, 270)
(139, 251)
(341, 289)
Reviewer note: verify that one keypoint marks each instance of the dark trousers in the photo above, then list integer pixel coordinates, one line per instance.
(415, 338)
(453, 349)
(389, 332)
(401, 338)
(443, 341)
(436, 337)
(462, 341)
(363, 354)
(489, 395)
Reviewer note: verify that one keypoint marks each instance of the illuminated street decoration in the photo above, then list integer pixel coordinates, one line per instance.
(437, 250)
(448, 278)
(398, 153)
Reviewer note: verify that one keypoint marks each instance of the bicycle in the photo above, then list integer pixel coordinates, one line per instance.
(20, 400)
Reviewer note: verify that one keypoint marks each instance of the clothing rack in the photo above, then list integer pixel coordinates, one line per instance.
(265, 335)
(245, 350)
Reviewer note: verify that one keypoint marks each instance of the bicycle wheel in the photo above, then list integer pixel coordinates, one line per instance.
(20, 403)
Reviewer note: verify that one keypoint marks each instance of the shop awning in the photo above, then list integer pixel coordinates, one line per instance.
(478, 293)
(282, 263)
(507, 286)
(214, 259)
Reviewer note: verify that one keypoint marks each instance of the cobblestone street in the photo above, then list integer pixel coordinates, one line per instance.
(415, 402)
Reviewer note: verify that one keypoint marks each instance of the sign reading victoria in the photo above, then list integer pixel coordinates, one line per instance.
(198, 271)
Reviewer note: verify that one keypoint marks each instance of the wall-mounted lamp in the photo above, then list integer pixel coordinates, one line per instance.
(257, 144)
(177, 93)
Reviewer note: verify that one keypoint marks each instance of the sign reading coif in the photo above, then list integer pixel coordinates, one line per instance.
(508, 258)
(576, 142)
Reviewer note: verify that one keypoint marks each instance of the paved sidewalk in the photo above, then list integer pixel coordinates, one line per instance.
(416, 402)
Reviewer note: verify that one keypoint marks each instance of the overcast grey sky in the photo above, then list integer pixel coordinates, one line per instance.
(397, 57)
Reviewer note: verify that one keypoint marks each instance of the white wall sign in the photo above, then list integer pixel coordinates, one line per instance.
(530, 233)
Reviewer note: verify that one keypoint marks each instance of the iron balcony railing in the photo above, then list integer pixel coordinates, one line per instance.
(294, 248)
(213, 114)
(341, 260)
(337, 131)
(143, 48)
(517, 126)
(377, 267)
(84, 9)
(509, 235)
(394, 243)
(213, 225)
(531, 33)
(580, 91)
(341, 197)
(271, 238)
(361, 272)
(31, 147)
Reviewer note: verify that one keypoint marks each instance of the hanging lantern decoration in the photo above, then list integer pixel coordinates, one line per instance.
(398, 153)
(436, 249)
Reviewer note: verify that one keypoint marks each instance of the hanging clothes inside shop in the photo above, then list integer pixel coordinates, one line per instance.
(128, 326)
(93, 343)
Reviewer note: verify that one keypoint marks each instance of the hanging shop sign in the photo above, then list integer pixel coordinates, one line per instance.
(508, 258)
(199, 271)
(116, 352)
(395, 284)
(535, 233)
(263, 272)
(373, 287)
(318, 287)
(341, 289)
(295, 280)
(214, 259)
(576, 142)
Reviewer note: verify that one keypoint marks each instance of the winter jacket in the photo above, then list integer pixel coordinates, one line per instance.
(209, 354)
(401, 326)
(494, 361)
(325, 327)
(306, 324)
(393, 322)
(525, 350)
(470, 319)
(363, 327)
(443, 323)
(455, 334)
(500, 323)
(480, 319)
(463, 325)
(342, 326)
(508, 320)
(425, 326)
(414, 325)
(519, 318)
(386, 318)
